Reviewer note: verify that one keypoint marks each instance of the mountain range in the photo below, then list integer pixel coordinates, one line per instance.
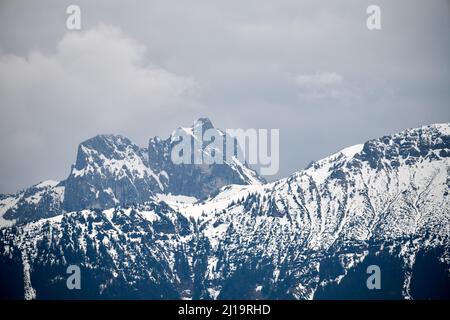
(111, 170)
(141, 227)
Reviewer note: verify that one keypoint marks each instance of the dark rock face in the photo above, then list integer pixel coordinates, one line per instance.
(198, 180)
(110, 170)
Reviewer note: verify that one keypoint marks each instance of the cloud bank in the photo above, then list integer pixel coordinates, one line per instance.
(95, 81)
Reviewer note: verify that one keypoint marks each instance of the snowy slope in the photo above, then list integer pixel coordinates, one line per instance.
(389, 189)
(39, 201)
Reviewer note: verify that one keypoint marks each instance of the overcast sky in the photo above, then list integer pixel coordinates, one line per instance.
(142, 68)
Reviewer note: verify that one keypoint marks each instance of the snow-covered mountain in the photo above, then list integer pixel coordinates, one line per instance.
(198, 180)
(308, 236)
(111, 170)
(39, 201)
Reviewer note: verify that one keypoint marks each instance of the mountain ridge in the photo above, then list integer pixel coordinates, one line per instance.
(111, 170)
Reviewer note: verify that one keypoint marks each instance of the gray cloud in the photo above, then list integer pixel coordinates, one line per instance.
(141, 68)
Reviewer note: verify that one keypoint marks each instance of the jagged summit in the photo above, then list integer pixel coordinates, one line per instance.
(413, 145)
(205, 123)
(107, 137)
(198, 127)
(104, 146)
(190, 179)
